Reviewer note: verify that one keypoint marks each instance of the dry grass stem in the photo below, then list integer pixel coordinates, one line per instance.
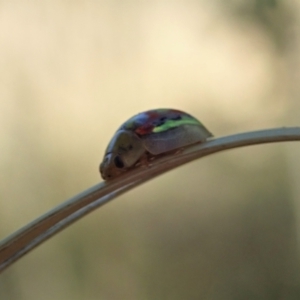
(27, 238)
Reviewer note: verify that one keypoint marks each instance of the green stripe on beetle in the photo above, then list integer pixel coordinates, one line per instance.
(172, 124)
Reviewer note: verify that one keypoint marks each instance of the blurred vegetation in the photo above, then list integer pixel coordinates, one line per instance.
(225, 227)
(274, 17)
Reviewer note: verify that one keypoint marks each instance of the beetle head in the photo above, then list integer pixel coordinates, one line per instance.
(122, 153)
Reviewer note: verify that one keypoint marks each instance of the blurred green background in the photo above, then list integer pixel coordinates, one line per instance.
(224, 227)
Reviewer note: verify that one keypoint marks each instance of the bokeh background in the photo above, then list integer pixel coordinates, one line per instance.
(224, 227)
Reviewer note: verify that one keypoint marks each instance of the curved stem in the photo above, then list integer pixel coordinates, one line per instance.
(27, 238)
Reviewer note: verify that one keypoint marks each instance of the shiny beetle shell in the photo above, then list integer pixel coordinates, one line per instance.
(148, 134)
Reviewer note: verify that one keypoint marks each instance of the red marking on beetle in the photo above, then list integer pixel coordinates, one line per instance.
(144, 129)
(157, 118)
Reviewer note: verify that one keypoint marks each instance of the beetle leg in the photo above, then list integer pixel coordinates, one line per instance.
(145, 160)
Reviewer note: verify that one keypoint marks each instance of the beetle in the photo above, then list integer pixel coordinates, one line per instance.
(148, 134)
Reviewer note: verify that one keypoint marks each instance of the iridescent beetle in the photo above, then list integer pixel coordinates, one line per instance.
(147, 135)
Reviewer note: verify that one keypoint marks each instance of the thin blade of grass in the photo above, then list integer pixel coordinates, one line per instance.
(30, 236)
